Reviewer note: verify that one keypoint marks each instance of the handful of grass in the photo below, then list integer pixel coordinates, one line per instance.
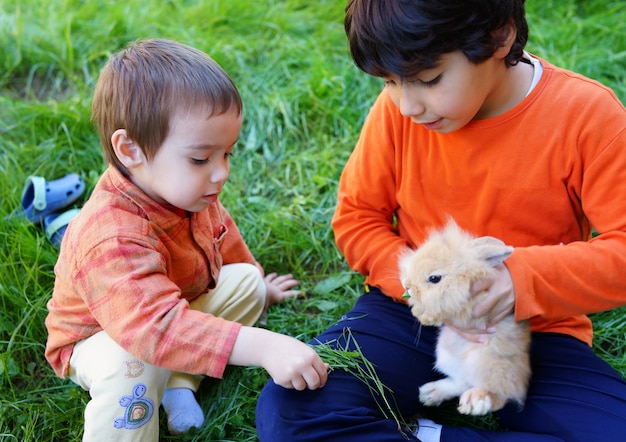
(338, 355)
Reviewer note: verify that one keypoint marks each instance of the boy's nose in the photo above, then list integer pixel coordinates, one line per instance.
(410, 102)
(220, 172)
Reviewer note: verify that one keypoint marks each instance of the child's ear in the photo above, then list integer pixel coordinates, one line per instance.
(127, 151)
(506, 37)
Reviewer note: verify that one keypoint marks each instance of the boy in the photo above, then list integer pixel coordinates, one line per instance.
(154, 284)
(471, 126)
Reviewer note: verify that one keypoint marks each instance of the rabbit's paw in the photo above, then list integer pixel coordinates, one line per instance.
(434, 393)
(475, 401)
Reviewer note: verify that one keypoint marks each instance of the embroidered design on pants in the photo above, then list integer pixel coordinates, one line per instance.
(134, 368)
(139, 409)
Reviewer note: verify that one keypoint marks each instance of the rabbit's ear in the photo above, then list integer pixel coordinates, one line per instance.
(491, 250)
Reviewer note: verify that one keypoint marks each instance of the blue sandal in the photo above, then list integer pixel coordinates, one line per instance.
(42, 198)
(56, 224)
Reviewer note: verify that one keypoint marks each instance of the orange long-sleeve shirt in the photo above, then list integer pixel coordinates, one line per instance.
(129, 265)
(539, 177)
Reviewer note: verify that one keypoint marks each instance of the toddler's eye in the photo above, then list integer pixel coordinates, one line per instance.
(434, 279)
(198, 161)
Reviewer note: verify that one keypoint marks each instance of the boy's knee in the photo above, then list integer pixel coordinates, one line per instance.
(252, 284)
(248, 272)
(267, 409)
(285, 415)
(239, 295)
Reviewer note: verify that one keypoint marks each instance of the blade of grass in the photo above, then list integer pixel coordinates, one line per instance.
(338, 355)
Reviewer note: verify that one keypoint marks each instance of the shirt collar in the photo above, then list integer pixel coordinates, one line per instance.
(164, 215)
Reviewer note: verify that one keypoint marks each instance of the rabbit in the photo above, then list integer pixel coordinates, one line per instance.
(437, 277)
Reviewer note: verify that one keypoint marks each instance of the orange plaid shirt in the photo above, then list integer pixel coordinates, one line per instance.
(129, 265)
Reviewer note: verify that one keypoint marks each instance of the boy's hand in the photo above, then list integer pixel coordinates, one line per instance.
(497, 301)
(279, 288)
(291, 363)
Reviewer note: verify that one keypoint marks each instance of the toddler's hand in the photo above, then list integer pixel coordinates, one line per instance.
(293, 364)
(279, 287)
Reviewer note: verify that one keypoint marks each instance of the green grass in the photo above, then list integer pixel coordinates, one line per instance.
(304, 105)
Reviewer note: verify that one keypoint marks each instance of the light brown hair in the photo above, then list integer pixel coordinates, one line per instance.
(143, 85)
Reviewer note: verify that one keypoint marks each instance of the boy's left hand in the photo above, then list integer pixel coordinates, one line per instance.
(279, 288)
(497, 302)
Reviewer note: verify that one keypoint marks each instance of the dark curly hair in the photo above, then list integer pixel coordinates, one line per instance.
(405, 37)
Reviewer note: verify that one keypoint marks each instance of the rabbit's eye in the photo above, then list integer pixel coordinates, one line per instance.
(434, 279)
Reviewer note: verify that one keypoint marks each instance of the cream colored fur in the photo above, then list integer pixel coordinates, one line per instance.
(438, 276)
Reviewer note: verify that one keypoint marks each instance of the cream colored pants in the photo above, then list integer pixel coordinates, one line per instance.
(125, 392)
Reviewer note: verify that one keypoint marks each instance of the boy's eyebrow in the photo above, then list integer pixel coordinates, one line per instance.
(202, 146)
(205, 146)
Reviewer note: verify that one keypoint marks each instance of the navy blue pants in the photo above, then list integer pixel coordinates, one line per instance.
(573, 396)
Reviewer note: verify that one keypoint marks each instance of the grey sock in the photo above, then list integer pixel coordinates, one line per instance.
(182, 409)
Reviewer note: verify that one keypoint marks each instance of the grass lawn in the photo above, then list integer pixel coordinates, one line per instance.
(304, 105)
